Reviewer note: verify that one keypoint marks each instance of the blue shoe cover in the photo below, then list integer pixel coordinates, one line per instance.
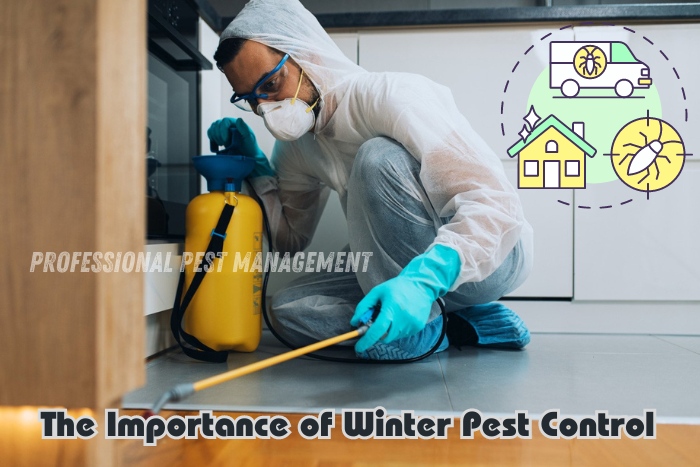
(408, 347)
(496, 326)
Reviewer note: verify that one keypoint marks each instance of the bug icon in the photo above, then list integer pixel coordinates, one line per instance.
(638, 148)
(648, 154)
(590, 61)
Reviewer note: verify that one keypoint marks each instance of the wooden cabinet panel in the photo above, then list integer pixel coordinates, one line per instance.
(72, 122)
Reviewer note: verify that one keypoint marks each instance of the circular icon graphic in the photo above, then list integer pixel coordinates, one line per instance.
(590, 61)
(647, 154)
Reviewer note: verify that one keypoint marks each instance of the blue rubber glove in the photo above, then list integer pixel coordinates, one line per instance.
(244, 142)
(406, 300)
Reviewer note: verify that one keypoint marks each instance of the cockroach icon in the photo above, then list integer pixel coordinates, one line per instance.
(648, 155)
(590, 64)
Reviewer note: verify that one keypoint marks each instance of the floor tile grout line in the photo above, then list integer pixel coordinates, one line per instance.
(677, 345)
(444, 380)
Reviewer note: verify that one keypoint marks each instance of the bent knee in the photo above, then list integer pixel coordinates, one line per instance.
(381, 160)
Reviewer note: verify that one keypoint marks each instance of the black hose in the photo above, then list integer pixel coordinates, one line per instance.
(432, 350)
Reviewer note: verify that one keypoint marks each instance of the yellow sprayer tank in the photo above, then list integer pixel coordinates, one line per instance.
(225, 312)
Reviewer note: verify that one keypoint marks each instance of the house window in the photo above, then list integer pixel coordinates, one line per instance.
(572, 168)
(531, 169)
(551, 146)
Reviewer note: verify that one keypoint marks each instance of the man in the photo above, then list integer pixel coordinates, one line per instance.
(419, 188)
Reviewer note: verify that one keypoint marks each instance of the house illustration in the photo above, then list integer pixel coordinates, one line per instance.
(552, 155)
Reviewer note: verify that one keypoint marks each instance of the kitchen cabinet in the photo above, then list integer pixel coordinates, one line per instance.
(643, 250)
(552, 221)
(648, 248)
(73, 182)
(72, 124)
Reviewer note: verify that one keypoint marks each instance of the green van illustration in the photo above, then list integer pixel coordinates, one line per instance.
(596, 65)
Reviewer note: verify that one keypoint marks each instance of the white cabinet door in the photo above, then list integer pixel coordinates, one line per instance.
(475, 63)
(647, 249)
(347, 43)
(553, 223)
(672, 55)
(643, 250)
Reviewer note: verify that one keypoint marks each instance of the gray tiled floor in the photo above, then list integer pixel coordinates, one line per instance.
(577, 374)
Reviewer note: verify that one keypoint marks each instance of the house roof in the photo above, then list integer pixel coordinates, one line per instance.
(552, 121)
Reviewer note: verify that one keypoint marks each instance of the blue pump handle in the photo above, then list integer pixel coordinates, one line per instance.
(229, 150)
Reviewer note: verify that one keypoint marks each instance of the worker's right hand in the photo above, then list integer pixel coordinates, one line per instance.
(406, 300)
(405, 307)
(245, 144)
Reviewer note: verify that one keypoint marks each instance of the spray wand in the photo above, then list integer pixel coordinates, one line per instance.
(184, 390)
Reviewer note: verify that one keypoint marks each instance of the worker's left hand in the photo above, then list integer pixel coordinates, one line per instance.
(406, 300)
(234, 131)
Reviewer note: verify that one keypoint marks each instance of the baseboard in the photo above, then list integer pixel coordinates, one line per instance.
(674, 318)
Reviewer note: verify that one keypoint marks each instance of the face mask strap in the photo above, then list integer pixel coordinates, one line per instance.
(311, 108)
(294, 99)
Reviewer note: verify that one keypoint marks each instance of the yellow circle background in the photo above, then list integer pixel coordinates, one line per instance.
(632, 133)
(580, 59)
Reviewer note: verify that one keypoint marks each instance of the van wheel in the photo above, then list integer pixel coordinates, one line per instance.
(570, 88)
(624, 88)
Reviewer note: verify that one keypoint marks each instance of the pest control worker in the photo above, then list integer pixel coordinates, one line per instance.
(419, 188)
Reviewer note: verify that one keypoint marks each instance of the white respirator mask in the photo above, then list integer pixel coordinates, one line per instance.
(290, 119)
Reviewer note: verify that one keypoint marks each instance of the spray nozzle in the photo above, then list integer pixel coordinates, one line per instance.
(371, 315)
(176, 394)
(368, 318)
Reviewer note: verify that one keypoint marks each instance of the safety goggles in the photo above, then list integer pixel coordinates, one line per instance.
(266, 88)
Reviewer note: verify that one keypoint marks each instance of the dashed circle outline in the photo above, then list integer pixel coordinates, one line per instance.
(592, 23)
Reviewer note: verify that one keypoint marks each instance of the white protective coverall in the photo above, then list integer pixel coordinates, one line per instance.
(462, 178)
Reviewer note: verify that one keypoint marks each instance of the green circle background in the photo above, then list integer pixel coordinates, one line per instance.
(603, 117)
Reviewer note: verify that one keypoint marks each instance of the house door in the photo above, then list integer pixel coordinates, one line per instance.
(551, 174)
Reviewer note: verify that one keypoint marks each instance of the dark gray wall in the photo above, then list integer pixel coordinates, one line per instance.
(229, 8)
